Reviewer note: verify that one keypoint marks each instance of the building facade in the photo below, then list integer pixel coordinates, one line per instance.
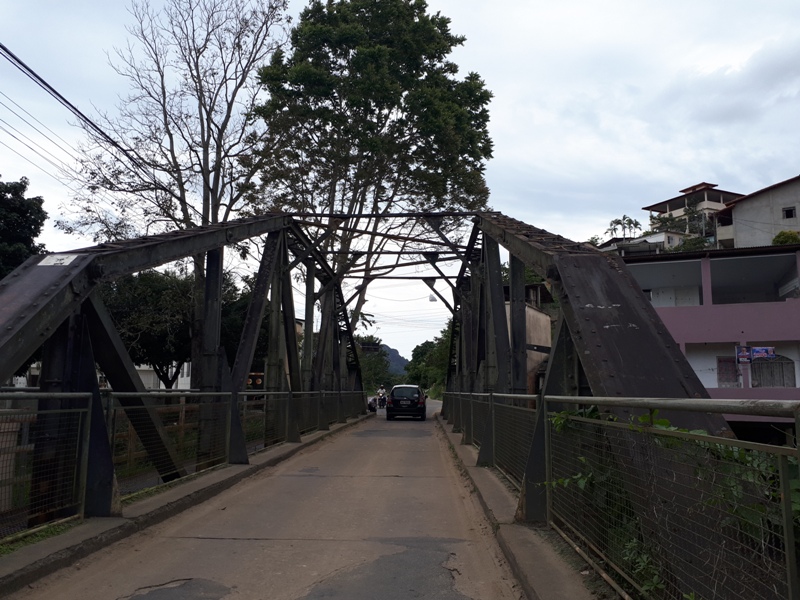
(717, 301)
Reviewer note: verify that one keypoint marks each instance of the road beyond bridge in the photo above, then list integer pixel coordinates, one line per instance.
(377, 511)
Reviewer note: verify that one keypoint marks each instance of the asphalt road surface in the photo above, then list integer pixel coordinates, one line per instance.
(377, 512)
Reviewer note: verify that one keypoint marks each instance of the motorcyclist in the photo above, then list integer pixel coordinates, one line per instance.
(381, 394)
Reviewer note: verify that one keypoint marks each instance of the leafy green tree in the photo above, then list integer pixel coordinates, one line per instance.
(628, 226)
(785, 238)
(152, 312)
(21, 222)
(530, 275)
(429, 360)
(235, 304)
(374, 363)
(365, 114)
(667, 223)
(691, 244)
(595, 240)
(613, 227)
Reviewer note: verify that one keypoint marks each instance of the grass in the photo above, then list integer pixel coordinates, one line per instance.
(39, 535)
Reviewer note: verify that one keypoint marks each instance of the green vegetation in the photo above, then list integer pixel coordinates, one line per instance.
(366, 115)
(740, 487)
(38, 535)
(429, 361)
(374, 363)
(785, 238)
(627, 225)
(21, 222)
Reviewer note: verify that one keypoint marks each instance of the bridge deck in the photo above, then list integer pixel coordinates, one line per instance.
(376, 511)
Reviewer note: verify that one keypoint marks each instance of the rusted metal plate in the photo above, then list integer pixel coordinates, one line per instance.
(624, 347)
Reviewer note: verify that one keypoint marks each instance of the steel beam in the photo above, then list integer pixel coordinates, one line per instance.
(119, 369)
(518, 318)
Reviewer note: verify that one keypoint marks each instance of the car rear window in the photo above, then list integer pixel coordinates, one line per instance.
(405, 393)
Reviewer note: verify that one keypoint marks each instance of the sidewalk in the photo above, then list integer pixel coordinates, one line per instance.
(30, 563)
(541, 571)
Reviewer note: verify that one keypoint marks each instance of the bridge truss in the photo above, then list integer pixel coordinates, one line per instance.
(609, 340)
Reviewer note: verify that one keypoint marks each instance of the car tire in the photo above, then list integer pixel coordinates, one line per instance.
(423, 417)
(389, 417)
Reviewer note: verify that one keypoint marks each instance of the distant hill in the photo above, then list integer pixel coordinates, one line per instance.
(397, 364)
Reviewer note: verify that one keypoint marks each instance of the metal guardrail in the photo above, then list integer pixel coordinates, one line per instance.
(43, 457)
(666, 513)
(154, 437)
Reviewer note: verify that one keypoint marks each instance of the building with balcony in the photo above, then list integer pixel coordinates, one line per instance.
(704, 198)
(715, 300)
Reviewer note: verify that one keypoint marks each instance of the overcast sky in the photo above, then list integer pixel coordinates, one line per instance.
(600, 108)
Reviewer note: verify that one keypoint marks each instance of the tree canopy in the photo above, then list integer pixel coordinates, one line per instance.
(152, 312)
(429, 361)
(628, 226)
(366, 115)
(374, 363)
(786, 237)
(21, 222)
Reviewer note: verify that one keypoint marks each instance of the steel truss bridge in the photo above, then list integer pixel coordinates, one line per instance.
(608, 341)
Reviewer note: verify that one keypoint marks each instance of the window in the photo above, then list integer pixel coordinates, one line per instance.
(727, 373)
(789, 212)
(772, 372)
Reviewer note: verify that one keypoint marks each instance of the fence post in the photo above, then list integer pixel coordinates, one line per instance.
(341, 410)
(486, 453)
(322, 413)
(232, 405)
(788, 530)
(458, 414)
(292, 426)
(451, 407)
(465, 421)
(83, 477)
(534, 496)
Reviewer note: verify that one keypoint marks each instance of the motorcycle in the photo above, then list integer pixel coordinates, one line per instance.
(372, 405)
(382, 401)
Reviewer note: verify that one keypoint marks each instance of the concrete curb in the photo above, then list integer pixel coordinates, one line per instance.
(30, 563)
(541, 572)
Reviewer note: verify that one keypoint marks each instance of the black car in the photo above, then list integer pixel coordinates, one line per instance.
(406, 400)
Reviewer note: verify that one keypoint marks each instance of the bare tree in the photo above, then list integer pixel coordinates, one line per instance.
(181, 150)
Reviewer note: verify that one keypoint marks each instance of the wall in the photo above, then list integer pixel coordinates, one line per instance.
(677, 296)
(759, 218)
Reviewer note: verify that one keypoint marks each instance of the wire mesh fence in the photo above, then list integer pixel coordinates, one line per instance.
(478, 412)
(307, 410)
(512, 440)
(355, 404)
(161, 436)
(155, 437)
(264, 418)
(331, 408)
(678, 515)
(43, 453)
(668, 513)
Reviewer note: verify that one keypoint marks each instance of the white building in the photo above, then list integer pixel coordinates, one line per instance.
(755, 219)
